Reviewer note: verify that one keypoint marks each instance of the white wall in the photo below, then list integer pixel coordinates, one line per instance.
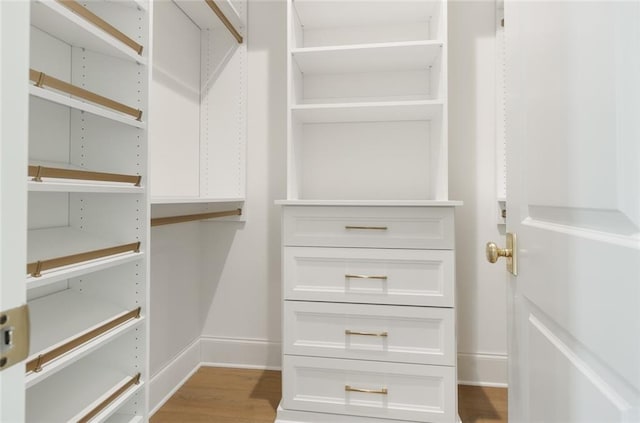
(482, 339)
(236, 304)
(241, 283)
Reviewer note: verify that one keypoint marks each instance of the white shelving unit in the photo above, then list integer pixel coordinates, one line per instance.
(199, 85)
(368, 227)
(370, 77)
(88, 227)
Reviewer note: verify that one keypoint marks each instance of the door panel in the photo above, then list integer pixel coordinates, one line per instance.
(14, 51)
(573, 159)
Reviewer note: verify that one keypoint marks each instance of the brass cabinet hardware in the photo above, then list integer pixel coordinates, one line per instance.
(14, 336)
(378, 334)
(350, 276)
(383, 391)
(367, 228)
(104, 404)
(39, 172)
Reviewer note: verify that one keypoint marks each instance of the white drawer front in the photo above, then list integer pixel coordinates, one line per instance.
(375, 227)
(366, 275)
(422, 335)
(413, 391)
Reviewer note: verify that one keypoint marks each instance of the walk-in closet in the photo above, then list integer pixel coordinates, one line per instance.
(319, 211)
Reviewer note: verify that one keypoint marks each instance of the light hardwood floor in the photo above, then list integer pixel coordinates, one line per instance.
(220, 395)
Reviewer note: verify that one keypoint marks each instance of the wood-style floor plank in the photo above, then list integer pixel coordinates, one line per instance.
(222, 395)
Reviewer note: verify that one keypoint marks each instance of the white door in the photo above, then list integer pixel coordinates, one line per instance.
(14, 63)
(573, 164)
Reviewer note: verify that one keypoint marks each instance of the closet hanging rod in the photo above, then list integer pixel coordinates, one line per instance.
(104, 404)
(39, 172)
(157, 221)
(35, 365)
(224, 20)
(42, 80)
(97, 21)
(35, 268)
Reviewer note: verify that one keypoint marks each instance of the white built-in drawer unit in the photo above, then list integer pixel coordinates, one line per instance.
(368, 317)
(369, 275)
(385, 390)
(369, 227)
(423, 335)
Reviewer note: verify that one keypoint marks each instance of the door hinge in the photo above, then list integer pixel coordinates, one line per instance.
(14, 336)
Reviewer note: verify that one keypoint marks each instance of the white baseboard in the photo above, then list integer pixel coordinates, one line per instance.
(240, 353)
(168, 380)
(483, 370)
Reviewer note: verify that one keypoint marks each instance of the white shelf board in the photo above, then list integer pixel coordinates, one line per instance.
(71, 394)
(48, 185)
(77, 185)
(194, 200)
(56, 242)
(58, 318)
(48, 313)
(55, 19)
(349, 13)
(63, 273)
(368, 112)
(371, 203)
(380, 57)
(65, 100)
(124, 418)
(202, 15)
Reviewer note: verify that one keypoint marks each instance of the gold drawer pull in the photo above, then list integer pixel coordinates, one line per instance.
(379, 334)
(371, 228)
(348, 276)
(349, 388)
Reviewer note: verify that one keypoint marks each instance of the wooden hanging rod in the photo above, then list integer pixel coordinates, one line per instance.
(34, 269)
(100, 23)
(157, 221)
(35, 365)
(42, 80)
(39, 172)
(224, 20)
(121, 390)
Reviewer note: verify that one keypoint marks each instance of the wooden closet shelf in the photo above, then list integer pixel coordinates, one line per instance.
(35, 268)
(227, 23)
(39, 172)
(97, 21)
(135, 380)
(35, 364)
(157, 221)
(42, 80)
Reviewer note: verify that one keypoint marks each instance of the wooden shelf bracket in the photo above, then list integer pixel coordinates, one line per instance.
(42, 80)
(39, 172)
(97, 21)
(35, 268)
(35, 365)
(225, 20)
(157, 221)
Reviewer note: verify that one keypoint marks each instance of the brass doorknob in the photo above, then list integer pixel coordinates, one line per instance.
(494, 253)
(510, 253)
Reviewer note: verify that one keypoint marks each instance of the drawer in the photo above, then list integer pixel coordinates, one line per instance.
(421, 335)
(412, 392)
(372, 227)
(367, 275)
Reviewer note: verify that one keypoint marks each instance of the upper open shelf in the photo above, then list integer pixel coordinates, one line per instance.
(59, 21)
(341, 13)
(342, 22)
(368, 112)
(379, 57)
